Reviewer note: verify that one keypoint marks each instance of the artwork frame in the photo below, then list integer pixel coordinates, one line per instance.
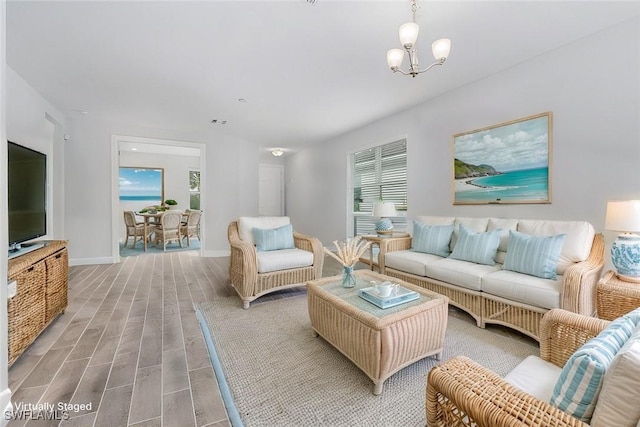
(520, 151)
(142, 185)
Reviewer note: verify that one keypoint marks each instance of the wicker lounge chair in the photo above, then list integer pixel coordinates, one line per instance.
(461, 392)
(250, 283)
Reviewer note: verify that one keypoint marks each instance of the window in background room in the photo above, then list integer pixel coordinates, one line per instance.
(379, 173)
(194, 190)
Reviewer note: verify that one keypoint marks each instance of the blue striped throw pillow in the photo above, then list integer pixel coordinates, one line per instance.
(274, 238)
(578, 387)
(480, 248)
(533, 255)
(431, 239)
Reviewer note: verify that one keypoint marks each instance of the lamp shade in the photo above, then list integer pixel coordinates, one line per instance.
(623, 216)
(408, 34)
(395, 57)
(384, 210)
(441, 48)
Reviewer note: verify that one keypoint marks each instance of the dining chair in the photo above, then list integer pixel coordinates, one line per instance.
(135, 229)
(169, 228)
(191, 227)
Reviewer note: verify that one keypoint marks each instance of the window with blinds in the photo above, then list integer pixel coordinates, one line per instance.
(379, 173)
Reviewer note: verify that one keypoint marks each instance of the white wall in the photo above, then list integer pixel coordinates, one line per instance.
(5, 393)
(595, 101)
(230, 187)
(35, 123)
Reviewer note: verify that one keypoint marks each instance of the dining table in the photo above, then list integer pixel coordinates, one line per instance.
(147, 216)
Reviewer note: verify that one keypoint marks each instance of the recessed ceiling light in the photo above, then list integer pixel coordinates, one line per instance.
(134, 149)
(242, 100)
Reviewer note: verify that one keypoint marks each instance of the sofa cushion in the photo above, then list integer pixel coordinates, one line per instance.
(534, 255)
(505, 225)
(246, 224)
(431, 239)
(460, 273)
(410, 261)
(478, 247)
(274, 238)
(436, 220)
(543, 293)
(535, 376)
(283, 259)
(578, 242)
(580, 382)
(618, 404)
(473, 224)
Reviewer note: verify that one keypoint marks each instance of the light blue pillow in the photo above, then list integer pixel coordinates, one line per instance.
(273, 239)
(473, 246)
(431, 239)
(577, 390)
(533, 255)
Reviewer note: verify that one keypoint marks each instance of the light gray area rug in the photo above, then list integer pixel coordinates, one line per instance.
(278, 374)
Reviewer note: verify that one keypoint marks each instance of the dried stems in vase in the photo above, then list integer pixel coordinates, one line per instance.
(349, 251)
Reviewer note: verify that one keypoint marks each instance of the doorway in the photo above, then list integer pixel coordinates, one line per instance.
(175, 159)
(271, 190)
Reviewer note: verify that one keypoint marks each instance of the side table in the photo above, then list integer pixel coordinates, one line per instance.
(615, 297)
(375, 240)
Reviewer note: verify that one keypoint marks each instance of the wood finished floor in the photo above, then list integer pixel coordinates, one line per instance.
(130, 345)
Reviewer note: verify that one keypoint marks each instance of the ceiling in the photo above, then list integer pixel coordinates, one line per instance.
(308, 72)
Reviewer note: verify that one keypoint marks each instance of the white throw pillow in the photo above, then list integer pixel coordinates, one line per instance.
(619, 402)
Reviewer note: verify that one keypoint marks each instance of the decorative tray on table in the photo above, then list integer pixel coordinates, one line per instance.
(401, 296)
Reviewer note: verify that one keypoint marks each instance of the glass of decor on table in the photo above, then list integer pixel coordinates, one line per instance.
(348, 253)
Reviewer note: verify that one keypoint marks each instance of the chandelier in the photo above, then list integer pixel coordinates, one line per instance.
(408, 35)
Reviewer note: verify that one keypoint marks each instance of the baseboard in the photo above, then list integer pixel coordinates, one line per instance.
(5, 402)
(91, 261)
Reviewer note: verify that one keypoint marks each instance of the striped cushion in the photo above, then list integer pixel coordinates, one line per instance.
(274, 238)
(431, 239)
(475, 247)
(533, 255)
(578, 387)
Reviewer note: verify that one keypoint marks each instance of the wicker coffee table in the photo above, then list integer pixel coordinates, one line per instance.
(378, 341)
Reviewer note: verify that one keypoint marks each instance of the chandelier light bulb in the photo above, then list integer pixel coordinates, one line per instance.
(408, 34)
(395, 57)
(441, 48)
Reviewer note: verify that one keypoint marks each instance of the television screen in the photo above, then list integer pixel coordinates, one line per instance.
(27, 193)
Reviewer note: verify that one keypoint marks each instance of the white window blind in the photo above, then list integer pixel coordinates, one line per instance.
(379, 173)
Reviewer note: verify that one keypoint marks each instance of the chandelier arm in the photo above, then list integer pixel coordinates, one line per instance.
(430, 67)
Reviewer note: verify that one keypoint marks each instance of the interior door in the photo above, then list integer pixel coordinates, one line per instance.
(271, 190)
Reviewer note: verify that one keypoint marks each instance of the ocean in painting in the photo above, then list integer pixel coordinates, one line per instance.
(141, 198)
(525, 185)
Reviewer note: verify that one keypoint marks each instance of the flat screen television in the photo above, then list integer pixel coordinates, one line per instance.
(27, 194)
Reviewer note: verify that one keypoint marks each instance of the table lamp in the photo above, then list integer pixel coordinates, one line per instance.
(624, 216)
(384, 210)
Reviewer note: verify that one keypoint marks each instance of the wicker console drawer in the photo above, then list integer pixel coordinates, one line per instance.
(41, 278)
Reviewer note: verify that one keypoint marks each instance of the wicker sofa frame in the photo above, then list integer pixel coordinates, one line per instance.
(578, 293)
(243, 267)
(460, 392)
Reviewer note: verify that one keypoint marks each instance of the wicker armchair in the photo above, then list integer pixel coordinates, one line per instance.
(169, 228)
(251, 284)
(191, 227)
(461, 392)
(135, 229)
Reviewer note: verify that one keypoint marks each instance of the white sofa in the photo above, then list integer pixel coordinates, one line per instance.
(493, 295)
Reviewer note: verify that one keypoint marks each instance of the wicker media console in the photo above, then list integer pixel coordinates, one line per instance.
(41, 293)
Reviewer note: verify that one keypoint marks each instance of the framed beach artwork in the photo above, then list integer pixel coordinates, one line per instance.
(505, 163)
(144, 185)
